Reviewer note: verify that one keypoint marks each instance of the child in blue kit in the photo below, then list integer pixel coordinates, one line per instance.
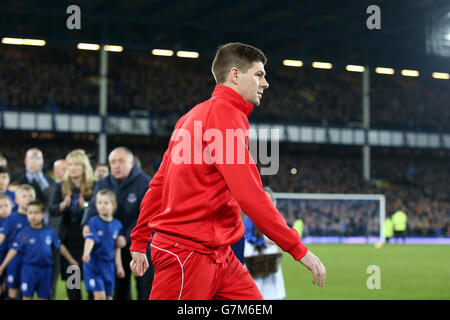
(4, 184)
(36, 243)
(101, 257)
(12, 225)
(5, 211)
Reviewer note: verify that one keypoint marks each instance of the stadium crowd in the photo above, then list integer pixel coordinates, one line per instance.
(67, 80)
(416, 184)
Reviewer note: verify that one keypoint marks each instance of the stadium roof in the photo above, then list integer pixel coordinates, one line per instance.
(333, 31)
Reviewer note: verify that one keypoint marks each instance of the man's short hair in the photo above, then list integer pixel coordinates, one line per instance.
(101, 164)
(235, 54)
(32, 150)
(56, 162)
(128, 151)
(3, 169)
(39, 204)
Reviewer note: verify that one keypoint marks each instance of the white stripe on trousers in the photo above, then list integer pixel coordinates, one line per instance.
(181, 265)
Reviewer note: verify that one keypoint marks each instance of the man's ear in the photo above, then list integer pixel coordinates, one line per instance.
(233, 75)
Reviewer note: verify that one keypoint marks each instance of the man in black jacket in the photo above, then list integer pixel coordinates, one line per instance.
(129, 183)
(42, 183)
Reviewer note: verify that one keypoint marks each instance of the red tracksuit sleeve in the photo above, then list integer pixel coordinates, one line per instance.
(150, 206)
(244, 182)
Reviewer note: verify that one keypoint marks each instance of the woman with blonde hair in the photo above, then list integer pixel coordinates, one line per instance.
(69, 201)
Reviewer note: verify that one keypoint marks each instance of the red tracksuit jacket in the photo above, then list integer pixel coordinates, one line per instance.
(201, 202)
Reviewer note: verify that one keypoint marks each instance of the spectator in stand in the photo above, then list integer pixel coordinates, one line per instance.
(312, 96)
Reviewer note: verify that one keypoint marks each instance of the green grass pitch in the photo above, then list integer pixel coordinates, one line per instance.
(407, 272)
(62, 295)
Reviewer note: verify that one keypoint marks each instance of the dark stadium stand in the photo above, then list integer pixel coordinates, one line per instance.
(67, 80)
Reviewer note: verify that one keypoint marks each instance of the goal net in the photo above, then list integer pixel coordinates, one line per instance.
(335, 218)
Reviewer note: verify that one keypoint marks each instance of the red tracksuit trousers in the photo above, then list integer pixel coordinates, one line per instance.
(182, 273)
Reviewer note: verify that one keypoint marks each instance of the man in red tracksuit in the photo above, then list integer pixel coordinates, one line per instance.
(206, 178)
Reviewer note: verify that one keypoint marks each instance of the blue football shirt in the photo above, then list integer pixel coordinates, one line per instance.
(3, 247)
(12, 225)
(37, 245)
(104, 234)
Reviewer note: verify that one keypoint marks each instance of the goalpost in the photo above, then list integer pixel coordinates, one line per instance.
(360, 198)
